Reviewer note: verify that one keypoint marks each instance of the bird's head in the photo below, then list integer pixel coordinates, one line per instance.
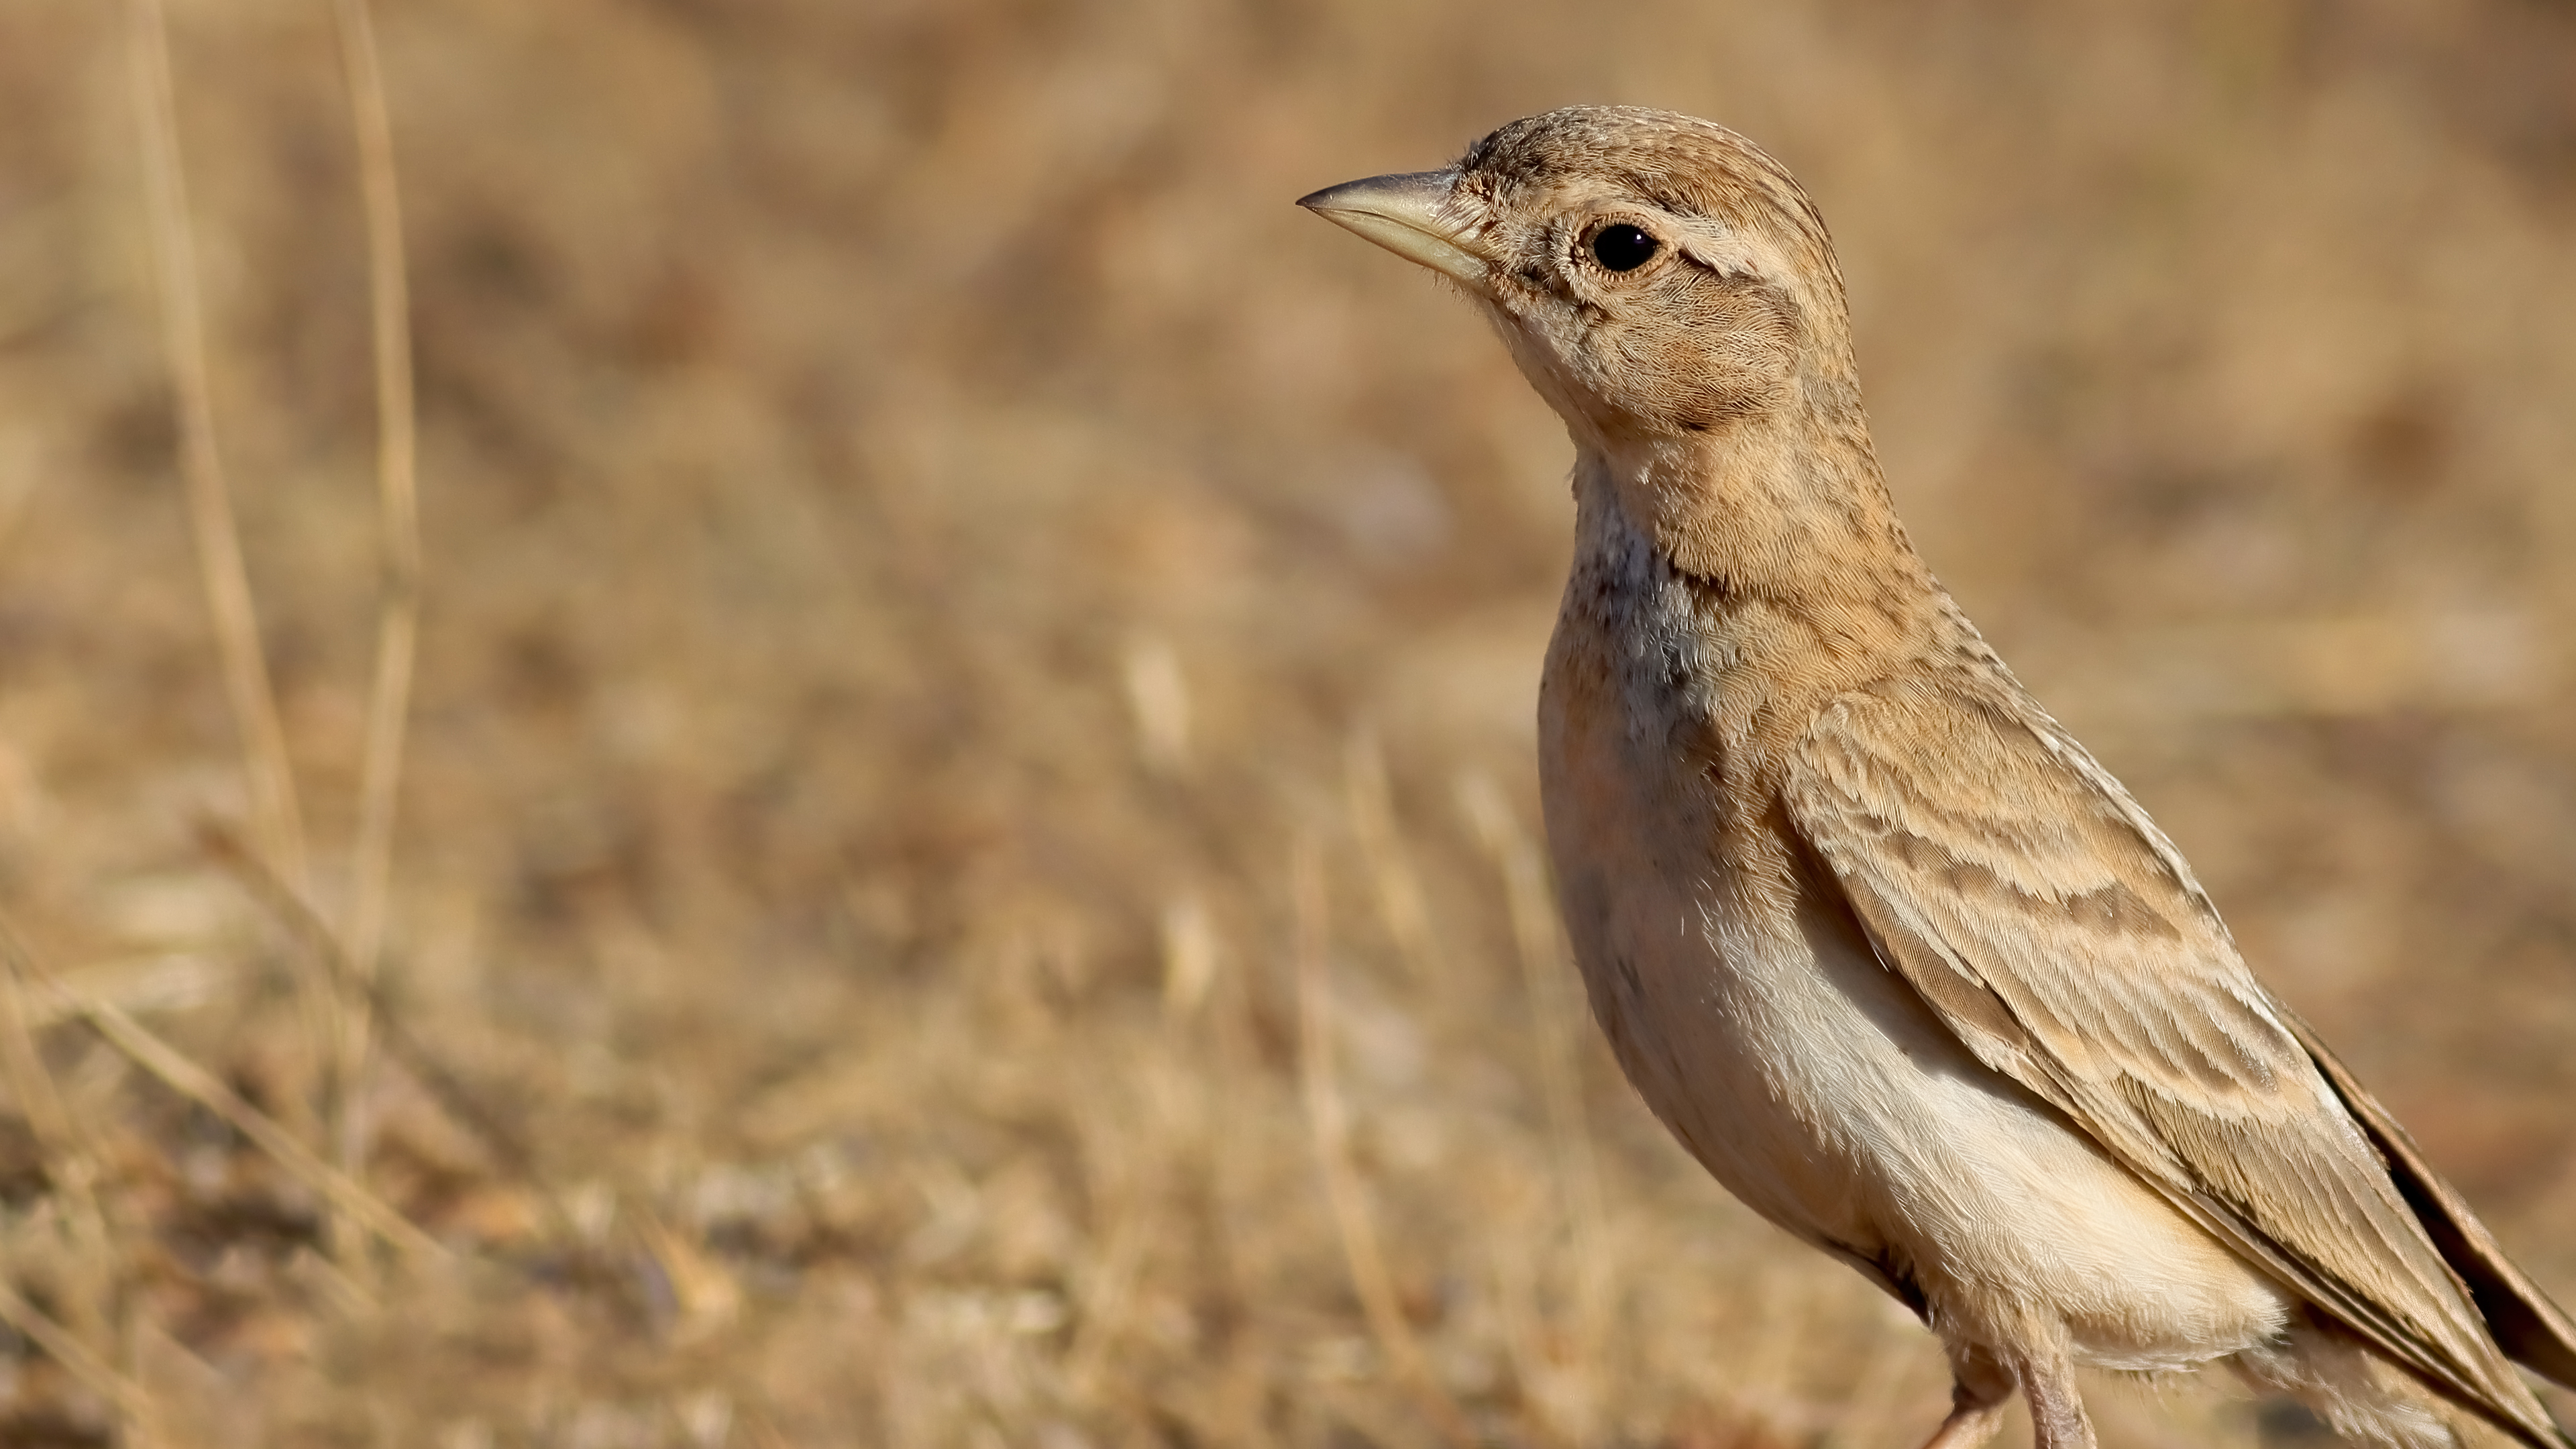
(1657, 277)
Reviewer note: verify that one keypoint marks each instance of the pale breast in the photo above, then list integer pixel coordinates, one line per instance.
(1812, 1082)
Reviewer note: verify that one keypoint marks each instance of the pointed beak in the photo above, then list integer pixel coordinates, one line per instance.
(1409, 215)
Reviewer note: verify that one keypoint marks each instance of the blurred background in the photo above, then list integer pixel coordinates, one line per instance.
(964, 866)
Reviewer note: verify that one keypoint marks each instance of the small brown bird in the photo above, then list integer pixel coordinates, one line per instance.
(1880, 943)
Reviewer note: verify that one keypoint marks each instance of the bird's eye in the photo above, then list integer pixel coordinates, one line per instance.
(1624, 248)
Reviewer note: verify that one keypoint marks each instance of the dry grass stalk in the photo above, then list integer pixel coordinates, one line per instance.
(398, 608)
(1328, 1118)
(29, 1080)
(1400, 901)
(1554, 1018)
(90, 1278)
(1158, 695)
(465, 1107)
(92, 1273)
(188, 1079)
(706, 1298)
(397, 627)
(459, 1101)
(278, 818)
(160, 981)
(1106, 1298)
(876, 505)
(65, 1347)
(1189, 954)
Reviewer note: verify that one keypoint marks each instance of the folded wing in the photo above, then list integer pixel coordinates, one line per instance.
(2042, 915)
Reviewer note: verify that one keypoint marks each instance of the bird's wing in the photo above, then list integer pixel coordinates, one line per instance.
(2530, 1328)
(2013, 882)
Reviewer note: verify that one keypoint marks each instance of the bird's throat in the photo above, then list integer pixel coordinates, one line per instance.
(1771, 505)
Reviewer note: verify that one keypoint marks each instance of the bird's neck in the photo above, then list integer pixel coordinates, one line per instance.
(1784, 512)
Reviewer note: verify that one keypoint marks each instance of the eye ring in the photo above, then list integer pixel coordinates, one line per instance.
(1624, 246)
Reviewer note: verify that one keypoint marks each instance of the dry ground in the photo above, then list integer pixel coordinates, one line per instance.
(975, 678)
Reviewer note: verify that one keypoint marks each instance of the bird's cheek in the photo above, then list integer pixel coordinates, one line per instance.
(1667, 378)
(1743, 353)
(1723, 391)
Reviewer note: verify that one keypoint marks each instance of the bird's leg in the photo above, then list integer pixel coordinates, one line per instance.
(1981, 1388)
(2057, 1419)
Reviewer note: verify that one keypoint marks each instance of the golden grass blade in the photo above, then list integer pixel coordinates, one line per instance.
(1328, 1119)
(1401, 904)
(1158, 696)
(158, 981)
(398, 505)
(93, 1277)
(197, 1084)
(454, 1097)
(1554, 1018)
(278, 819)
(398, 618)
(24, 1069)
(1189, 954)
(64, 1348)
(707, 1297)
(1105, 1297)
(94, 1269)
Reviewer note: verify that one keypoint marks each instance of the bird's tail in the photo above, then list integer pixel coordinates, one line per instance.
(2533, 1331)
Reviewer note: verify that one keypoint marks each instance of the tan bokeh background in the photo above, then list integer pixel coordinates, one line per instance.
(976, 672)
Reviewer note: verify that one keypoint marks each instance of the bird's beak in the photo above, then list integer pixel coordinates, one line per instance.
(1409, 215)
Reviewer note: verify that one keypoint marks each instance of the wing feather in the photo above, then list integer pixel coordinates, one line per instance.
(2530, 1328)
(2034, 906)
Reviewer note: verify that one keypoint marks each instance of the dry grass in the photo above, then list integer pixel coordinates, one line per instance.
(962, 855)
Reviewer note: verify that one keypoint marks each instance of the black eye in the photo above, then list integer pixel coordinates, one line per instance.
(1623, 248)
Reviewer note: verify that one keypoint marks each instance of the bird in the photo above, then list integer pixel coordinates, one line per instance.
(1893, 957)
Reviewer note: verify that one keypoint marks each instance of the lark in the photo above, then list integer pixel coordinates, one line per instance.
(1888, 952)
